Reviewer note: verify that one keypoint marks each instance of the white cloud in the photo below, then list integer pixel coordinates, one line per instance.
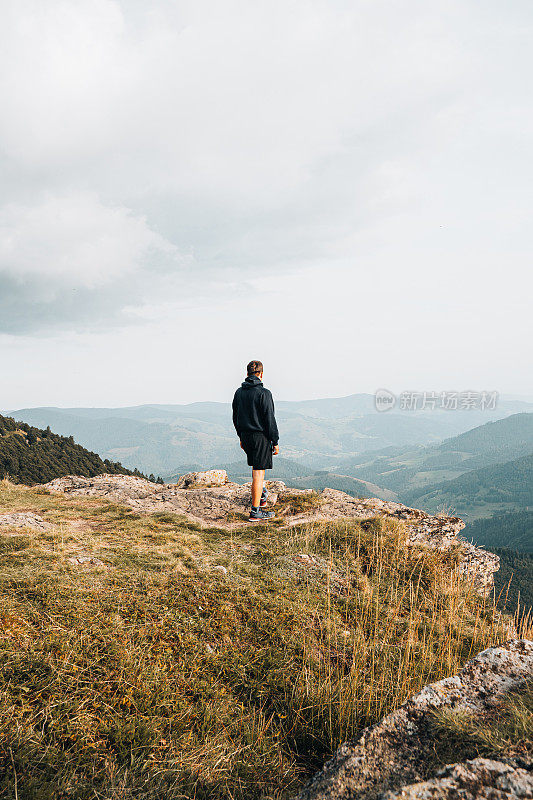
(254, 136)
(233, 100)
(299, 139)
(71, 261)
(76, 240)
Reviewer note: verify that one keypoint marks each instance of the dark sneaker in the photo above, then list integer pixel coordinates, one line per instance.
(264, 498)
(259, 515)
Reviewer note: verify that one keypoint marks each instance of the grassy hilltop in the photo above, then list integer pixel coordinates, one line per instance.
(142, 656)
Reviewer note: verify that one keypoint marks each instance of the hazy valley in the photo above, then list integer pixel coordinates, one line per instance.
(475, 463)
(318, 434)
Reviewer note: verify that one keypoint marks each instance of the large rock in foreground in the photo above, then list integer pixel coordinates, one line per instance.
(224, 506)
(393, 754)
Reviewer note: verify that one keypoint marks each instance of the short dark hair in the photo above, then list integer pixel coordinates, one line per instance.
(254, 368)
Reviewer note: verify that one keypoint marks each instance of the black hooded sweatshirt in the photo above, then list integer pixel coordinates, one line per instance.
(253, 410)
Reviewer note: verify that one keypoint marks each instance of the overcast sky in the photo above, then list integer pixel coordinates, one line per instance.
(342, 189)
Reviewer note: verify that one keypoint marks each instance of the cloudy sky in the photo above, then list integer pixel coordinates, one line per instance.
(341, 189)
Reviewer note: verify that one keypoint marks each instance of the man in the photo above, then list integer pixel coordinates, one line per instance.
(255, 423)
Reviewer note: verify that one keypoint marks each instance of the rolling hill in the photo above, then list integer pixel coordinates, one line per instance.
(408, 470)
(495, 442)
(344, 483)
(481, 492)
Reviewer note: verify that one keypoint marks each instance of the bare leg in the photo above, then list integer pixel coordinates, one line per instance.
(258, 478)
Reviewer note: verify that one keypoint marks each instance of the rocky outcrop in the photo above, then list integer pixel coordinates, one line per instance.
(207, 505)
(24, 519)
(212, 477)
(225, 505)
(394, 754)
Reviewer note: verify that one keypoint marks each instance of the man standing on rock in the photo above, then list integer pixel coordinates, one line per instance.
(255, 423)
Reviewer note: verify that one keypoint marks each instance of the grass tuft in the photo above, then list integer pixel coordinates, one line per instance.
(289, 503)
(506, 731)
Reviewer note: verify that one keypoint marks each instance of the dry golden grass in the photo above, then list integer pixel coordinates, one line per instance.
(158, 675)
(290, 504)
(503, 731)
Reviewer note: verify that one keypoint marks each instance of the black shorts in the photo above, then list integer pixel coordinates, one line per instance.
(258, 449)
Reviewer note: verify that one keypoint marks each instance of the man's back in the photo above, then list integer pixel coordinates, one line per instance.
(253, 410)
(255, 423)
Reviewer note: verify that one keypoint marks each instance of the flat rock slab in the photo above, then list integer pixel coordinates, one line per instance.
(207, 505)
(24, 519)
(395, 752)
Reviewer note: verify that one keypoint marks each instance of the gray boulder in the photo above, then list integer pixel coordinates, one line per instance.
(212, 477)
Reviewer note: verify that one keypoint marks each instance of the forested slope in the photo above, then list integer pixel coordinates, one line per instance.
(30, 455)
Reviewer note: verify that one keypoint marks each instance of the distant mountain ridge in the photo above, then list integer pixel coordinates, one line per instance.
(497, 441)
(322, 434)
